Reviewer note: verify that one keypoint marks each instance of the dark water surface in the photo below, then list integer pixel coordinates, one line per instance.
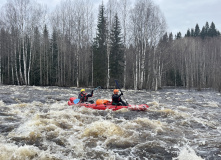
(36, 123)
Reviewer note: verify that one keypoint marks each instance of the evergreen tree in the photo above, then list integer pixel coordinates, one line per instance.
(197, 31)
(35, 73)
(212, 30)
(54, 58)
(188, 33)
(100, 51)
(116, 52)
(44, 58)
(179, 35)
(207, 29)
(203, 33)
(165, 38)
(192, 32)
(171, 37)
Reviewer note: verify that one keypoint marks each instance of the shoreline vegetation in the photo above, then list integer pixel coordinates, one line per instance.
(78, 47)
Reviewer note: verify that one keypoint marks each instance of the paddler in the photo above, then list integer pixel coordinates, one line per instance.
(116, 99)
(83, 96)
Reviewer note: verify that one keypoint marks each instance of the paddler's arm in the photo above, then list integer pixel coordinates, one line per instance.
(90, 95)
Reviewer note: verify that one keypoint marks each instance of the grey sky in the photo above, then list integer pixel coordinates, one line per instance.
(180, 14)
(183, 14)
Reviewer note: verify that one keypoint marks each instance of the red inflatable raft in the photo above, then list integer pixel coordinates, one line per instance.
(105, 104)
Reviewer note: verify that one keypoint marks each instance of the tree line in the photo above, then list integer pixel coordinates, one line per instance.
(207, 31)
(199, 55)
(129, 43)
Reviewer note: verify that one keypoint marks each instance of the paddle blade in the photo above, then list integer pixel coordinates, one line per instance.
(97, 88)
(76, 101)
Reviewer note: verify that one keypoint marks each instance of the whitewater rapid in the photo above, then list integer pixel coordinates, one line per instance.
(37, 124)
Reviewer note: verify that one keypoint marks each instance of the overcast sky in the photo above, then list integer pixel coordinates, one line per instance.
(183, 14)
(180, 14)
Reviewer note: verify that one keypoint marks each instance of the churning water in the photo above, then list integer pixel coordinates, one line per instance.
(37, 124)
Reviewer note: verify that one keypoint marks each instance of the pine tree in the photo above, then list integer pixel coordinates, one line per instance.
(165, 38)
(100, 51)
(188, 33)
(116, 51)
(212, 30)
(192, 32)
(35, 73)
(179, 35)
(203, 33)
(54, 58)
(171, 37)
(44, 58)
(197, 31)
(207, 29)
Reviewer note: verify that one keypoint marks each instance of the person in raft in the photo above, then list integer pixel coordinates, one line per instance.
(83, 96)
(116, 98)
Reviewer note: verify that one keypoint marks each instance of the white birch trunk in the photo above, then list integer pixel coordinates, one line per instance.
(15, 64)
(13, 80)
(142, 65)
(136, 73)
(155, 80)
(40, 59)
(124, 37)
(24, 61)
(30, 62)
(108, 65)
(78, 66)
(92, 69)
(20, 71)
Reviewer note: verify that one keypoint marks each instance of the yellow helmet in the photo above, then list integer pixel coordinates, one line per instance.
(82, 90)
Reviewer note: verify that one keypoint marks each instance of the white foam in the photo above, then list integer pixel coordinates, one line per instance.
(187, 153)
(2, 103)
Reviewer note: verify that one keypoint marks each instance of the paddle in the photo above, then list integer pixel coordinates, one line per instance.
(97, 88)
(119, 88)
(76, 101)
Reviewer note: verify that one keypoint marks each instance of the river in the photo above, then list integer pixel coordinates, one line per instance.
(37, 124)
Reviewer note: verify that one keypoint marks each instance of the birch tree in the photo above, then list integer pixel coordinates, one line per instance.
(23, 16)
(74, 20)
(124, 18)
(148, 26)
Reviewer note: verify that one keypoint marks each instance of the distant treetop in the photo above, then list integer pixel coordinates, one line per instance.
(207, 31)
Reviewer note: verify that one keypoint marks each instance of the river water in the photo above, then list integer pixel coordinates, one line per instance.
(37, 124)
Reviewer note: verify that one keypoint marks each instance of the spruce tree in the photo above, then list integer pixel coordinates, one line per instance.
(192, 32)
(171, 37)
(188, 33)
(100, 51)
(116, 52)
(207, 29)
(197, 31)
(179, 35)
(212, 30)
(203, 33)
(45, 61)
(165, 38)
(35, 73)
(54, 58)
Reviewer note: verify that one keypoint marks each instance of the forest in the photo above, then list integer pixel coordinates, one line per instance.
(81, 45)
